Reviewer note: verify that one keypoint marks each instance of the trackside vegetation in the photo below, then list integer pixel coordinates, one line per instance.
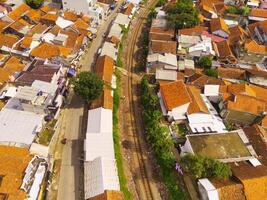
(204, 167)
(159, 139)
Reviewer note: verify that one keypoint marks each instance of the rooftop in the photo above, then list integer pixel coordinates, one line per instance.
(222, 146)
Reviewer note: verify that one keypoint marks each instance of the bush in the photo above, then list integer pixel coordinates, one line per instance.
(161, 3)
(35, 4)
(159, 139)
(201, 167)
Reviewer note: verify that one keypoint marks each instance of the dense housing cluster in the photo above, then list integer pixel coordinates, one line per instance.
(211, 77)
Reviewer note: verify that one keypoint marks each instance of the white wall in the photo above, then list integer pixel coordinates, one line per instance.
(178, 113)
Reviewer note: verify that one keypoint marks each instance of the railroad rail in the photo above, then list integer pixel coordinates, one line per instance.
(145, 189)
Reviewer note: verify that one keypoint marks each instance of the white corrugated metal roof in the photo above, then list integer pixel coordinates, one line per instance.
(122, 19)
(99, 121)
(206, 184)
(169, 75)
(100, 175)
(211, 90)
(19, 126)
(99, 144)
(46, 87)
(63, 23)
(109, 49)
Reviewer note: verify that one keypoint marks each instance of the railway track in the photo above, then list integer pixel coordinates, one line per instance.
(145, 189)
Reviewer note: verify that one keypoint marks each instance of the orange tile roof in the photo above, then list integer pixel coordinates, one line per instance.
(161, 34)
(109, 195)
(45, 50)
(197, 104)
(13, 162)
(64, 51)
(264, 122)
(129, 9)
(242, 88)
(4, 75)
(208, 5)
(218, 24)
(80, 24)
(197, 30)
(237, 34)
(50, 17)
(3, 25)
(38, 29)
(26, 42)
(247, 104)
(18, 12)
(162, 46)
(174, 94)
(231, 73)
(104, 68)
(114, 40)
(224, 51)
(69, 15)
(254, 179)
(72, 37)
(34, 14)
(79, 41)
(258, 13)
(48, 9)
(13, 65)
(252, 47)
(8, 40)
(262, 24)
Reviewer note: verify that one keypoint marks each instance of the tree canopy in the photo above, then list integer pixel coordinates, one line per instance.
(204, 167)
(183, 14)
(205, 62)
(34, 3)
(88, 86)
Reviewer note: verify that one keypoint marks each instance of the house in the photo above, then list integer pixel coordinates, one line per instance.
(43, 70)
(161, 34)
(243, 109)
(258, 31)
(174, 100)
(216, 189)
(25, 122)
(195, 46)
(13, 162)
(257, 14)
(78, 7)
(104, 69)
(100, 172)
(237, 35)
(15, 14)
(122, 20)
(208, 8)
(253, 47)
(109, 49)
(109, 195)
(251, 176)
(224, 52)
(218, 27)
(166, 75)
(200, 80)
(161, 46)
(115, 31)
(104, 101)
(256, 76)
(232, 74)
(226, 147)
(257, 137)
(201, 115)
(186, 64)
(161, 61)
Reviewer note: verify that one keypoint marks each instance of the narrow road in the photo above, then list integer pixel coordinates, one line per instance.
(74, 126)
(70, 182)
(90, 57)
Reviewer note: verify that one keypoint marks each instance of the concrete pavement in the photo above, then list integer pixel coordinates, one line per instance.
(71, 177)
(74, 125)
(90, 57)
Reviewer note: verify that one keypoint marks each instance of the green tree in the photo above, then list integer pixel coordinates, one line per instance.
(35, 4)
(205, 62)
(201, 167)
(211, 72)
(88, 86)
(182, 15)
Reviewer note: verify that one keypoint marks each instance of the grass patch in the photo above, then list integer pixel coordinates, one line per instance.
(116, 140)
(125, 31)
(47, 133)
